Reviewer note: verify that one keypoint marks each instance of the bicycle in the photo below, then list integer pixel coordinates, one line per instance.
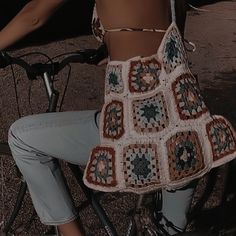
(46, 71)
(148, 219)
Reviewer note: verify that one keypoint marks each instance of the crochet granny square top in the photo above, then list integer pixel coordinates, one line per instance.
(155, 129)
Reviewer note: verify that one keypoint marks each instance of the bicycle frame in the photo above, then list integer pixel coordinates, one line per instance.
(53, 96)
(46, 72)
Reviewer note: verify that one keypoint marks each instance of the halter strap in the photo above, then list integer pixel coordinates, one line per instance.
(173, 13)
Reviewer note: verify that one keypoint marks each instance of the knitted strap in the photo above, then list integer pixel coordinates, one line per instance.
(173, 14)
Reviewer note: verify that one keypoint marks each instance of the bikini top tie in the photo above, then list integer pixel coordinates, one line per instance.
(99, 31)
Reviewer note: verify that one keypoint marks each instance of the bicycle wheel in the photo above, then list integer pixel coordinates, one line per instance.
(13, 190)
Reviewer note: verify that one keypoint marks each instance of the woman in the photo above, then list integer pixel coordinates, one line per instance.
(72, 135)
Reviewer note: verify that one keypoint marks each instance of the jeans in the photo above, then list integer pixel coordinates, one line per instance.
(38, 141)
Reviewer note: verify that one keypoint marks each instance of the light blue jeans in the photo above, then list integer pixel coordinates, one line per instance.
(38, 141)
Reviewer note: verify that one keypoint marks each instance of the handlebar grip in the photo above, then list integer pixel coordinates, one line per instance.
(97, 55)
(5, 60)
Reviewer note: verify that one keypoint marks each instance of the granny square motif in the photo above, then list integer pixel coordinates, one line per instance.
(113, 79)
(185, 156)
(113, 124)
(173, 52)
(221, 138)
(140, 165)
(189, 101)
(101, 169)
(144, 75)
(150, 114)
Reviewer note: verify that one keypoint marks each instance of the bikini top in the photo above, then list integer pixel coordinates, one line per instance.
(99, 31)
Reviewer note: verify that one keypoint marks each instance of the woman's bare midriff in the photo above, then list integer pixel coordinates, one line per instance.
(125, 45)
(147, 14)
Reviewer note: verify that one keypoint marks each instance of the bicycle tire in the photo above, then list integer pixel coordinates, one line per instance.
(10, 218)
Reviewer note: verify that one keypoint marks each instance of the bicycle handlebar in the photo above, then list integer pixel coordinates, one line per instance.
(6, 60)
(89, 56)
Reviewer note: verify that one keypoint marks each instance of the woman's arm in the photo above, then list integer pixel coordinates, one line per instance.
(30, 18)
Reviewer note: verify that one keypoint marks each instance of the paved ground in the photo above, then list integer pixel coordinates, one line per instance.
(214, 33)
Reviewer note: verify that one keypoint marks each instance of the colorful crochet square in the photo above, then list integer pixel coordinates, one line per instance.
(101, 167)
(113, 124)
(150, 114)
(174, 52)
(189, 101)
(185, 156)
(221, 138)
(144, 75)
(141, 165)
(113, 79)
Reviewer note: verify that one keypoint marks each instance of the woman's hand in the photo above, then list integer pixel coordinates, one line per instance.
(103, 62)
